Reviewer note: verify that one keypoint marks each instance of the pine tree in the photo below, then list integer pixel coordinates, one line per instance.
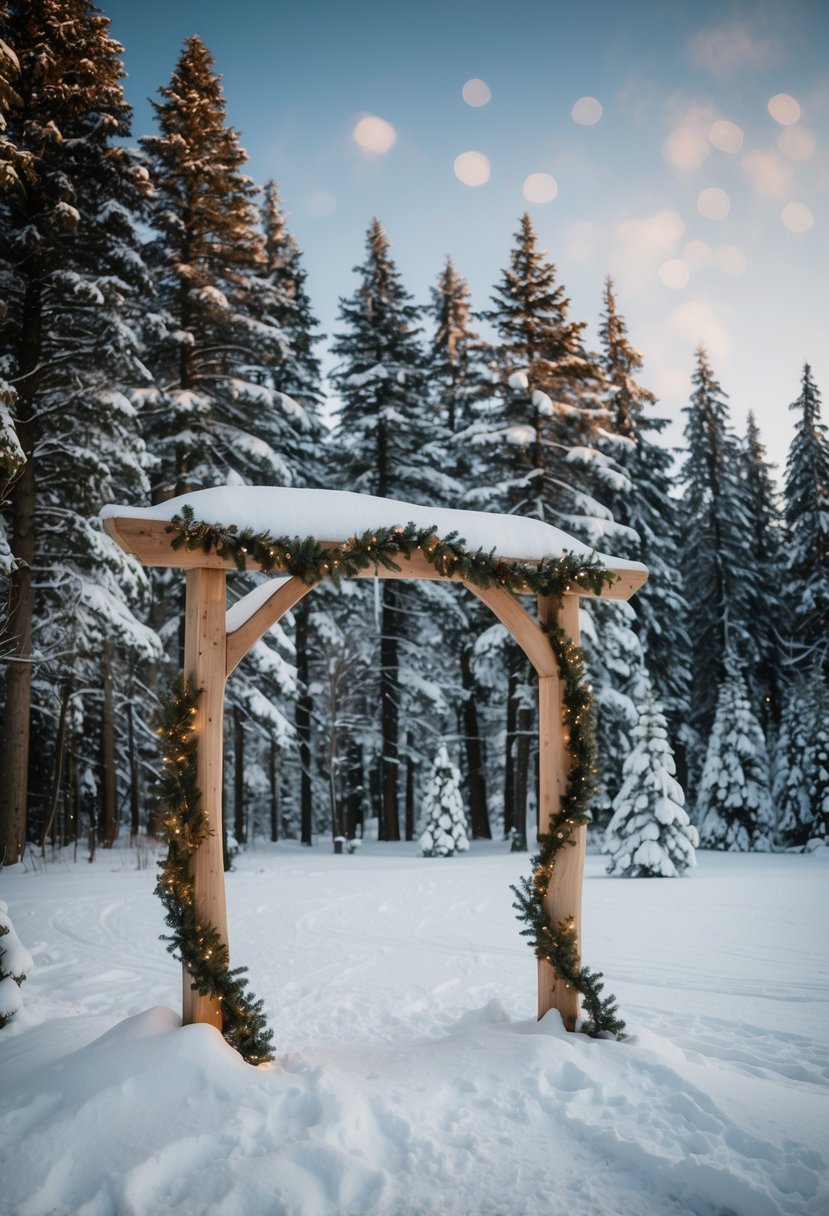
(214, 417)
(643, 504)
(444, 821)
(734, 809)
(719, 582)
(650, 834)
(633, 644)
(801, 770)
(460, 390)
(71, 277)
(765, 606)
(807, 525)
(541, 442)
(538, 448)
(387, 445)
(296, 377)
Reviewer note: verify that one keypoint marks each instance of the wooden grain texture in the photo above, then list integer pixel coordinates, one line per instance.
(284, 597)
(204, 667)
(564, 894)
(524, 628)
(149, 541)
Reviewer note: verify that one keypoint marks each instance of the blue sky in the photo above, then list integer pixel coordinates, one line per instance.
(708, 208)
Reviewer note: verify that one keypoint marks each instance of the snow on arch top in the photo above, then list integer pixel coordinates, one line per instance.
(333, 516)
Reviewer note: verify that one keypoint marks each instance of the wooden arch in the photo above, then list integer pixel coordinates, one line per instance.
(216, 639)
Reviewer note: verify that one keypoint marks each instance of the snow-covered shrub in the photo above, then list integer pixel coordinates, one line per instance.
(15, 963)
(650, 834)
(734, 808)
(444, 825)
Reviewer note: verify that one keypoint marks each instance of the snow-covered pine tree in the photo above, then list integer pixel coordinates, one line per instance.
(537, 448)
(15, 964)
(444, 820)
(387, 444)
(644, 505)
(719, 583)
(71, 277)
(807, 527)
(213, 417)
(541, 441)
(219, 411)
(765, 605)
(801, 768)
(650, 834)
(297, 376)
(460, 386)
(734, 809)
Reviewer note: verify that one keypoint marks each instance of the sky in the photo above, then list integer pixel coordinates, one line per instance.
(682, 149)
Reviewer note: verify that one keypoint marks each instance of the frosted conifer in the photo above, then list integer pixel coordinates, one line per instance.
(719, 582)
(734, 809)
(807, 523)
(15, 963)
(801, 770)
(444, 824)
(650, 834)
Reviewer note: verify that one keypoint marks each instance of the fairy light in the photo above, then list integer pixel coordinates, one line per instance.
(555, 577)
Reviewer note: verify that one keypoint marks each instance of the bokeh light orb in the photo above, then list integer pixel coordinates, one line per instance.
(540, 188)
(713, 203)
(798, 143)
(476, 92)
(784, 109)
(797, 217)
(587, 111)
(698, 254)
(472, 168)
(685, 148)
(374, 135)
(675, 273)
(726, 136)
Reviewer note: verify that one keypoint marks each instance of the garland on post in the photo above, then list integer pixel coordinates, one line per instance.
(195, 944)
(199, 946)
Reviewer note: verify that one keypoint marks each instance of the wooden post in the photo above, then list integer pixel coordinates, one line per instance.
(205, 649)
(564, 893)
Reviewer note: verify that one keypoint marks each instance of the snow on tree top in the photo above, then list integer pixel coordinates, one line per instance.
(335, 515)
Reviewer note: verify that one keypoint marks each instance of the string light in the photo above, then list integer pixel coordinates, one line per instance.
(557, 944)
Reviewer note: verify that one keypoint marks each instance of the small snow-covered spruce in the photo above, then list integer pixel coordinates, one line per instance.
(801, 769)
(734, 801)
(650, 835)
(444, 830)
(15, 963)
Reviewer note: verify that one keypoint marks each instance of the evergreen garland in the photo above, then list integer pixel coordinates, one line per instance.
(199, 946)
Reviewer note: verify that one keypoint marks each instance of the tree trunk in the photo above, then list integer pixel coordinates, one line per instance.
(302, 718)
(410, 776)
(135, 793)
(109, 812)
(475, 768)
(389, 711)
(509, 741)
(274, 778)
(57, 771)
(522, 771)
(354, 798)
(16, 643)
(239, 825)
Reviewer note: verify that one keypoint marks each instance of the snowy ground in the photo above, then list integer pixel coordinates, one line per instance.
(412, 1077)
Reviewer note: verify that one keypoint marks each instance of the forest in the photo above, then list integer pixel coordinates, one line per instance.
(158, 336)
